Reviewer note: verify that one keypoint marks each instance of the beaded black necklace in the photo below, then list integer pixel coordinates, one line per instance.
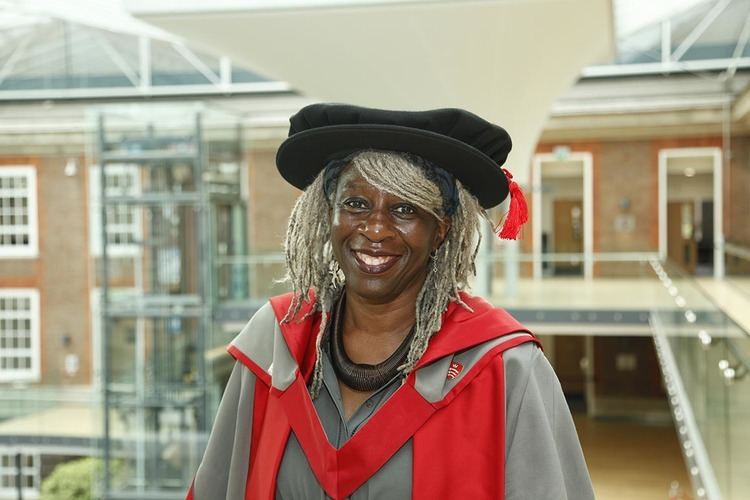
(358, 376)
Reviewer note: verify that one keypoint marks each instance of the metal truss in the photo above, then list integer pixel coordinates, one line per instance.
(19, 39)
(672, 59)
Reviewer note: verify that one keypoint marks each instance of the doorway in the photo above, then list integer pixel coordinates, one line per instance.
(690, 230)
(682, 248)
(568, 235)
(571, 364)
(563, 229)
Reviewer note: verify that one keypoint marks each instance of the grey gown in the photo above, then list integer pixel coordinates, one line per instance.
(544, 460)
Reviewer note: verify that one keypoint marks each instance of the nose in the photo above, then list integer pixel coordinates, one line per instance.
(377, 226)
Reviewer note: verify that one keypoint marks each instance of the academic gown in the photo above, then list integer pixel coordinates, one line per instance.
(482, 417)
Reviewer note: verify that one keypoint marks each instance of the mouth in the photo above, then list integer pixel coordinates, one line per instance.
(374, 264)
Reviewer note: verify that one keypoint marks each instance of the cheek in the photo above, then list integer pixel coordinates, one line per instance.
(335, 217)
(420, 237)
(341, 228)
(341, 225)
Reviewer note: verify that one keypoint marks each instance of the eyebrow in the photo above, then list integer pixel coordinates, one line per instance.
(357, 184)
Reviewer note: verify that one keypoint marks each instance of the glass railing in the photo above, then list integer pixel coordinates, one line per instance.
(704, 356)
(156, 442)
(154, 448)
(41, 426)
(251, 279)
(738, 267)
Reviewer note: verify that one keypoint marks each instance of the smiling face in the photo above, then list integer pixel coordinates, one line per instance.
(381, 241)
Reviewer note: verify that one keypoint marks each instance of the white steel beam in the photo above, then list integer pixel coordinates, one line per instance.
(117, 58)
(197, 63)
(161, 90)
(718, 187)
(588, 213)
(700, 28)
(18, 52)
(739, 48)
(662, 204)
(144, 62)
(225, 72)
(536, 219)
(666, 41)
(658, 67)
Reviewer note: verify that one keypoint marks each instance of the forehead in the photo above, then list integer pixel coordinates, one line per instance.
(351, 179)
(351, 182)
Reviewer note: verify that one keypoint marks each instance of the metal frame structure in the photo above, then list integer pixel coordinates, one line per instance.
(219, 80)
(23, 29)
(672, 59)
(141, 78)
(194, 307)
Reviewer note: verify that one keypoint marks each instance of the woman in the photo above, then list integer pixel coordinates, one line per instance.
(378, 376)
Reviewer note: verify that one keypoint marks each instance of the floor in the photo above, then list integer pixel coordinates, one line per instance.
(741, 283)
(632, 461)
(732, 294)
(599, 293)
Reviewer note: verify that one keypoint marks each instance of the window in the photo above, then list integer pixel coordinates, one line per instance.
(123, 222)
(18, 223)
(19, 335)
(30, 474)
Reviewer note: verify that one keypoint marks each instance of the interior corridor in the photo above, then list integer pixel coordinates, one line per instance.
(631, 460)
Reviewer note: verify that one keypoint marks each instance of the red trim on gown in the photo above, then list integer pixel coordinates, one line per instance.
(458, 442)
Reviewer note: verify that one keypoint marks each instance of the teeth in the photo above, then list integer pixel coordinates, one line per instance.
(371, 260)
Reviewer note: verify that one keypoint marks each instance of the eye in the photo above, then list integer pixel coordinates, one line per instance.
(405, 209)
(354, 203)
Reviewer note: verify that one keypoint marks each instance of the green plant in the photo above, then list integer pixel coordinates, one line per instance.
(74, 480)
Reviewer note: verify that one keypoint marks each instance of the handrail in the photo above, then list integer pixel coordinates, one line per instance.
(681, 274)
(637, 257)
(497, 255)
(702, 474)
(733, 365)
(740, 251)
(731, 372)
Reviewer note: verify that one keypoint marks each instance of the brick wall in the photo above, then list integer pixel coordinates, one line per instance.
(737, 203)
(63, 255)
(625, 189)
(60, 272)
(737, 192)
(270, 201)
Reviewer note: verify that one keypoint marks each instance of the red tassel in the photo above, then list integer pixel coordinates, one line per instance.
(518, 213)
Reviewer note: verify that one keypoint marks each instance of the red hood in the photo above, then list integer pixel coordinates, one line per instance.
(461, 329)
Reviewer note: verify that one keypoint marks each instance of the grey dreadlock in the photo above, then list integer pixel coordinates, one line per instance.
(311, 265)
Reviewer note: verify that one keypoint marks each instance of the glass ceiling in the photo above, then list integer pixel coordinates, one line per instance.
(682, 31)
(55, 46)
(94, 44)
(632, 15)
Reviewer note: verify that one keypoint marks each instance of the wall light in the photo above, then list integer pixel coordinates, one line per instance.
(71, 167)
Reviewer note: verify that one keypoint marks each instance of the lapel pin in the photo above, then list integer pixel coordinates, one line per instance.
(454, 370)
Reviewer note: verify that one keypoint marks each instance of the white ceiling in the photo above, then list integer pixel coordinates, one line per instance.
(506, 60)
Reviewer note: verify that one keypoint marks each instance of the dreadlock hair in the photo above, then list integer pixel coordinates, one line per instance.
(312, 267)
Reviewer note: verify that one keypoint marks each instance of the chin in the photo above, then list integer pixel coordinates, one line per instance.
(370, 289)
(380, 290)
